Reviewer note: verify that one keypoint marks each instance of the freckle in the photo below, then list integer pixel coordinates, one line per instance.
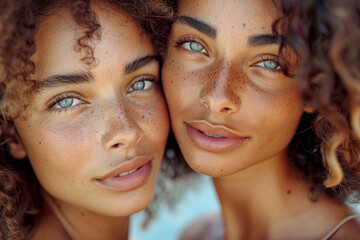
(289, 191)
(39, 142)
(222, 170)
(244, 24)
(142, 116)
(82, 214)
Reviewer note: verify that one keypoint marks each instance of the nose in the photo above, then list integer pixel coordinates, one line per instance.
(122, 130)
(220, 93)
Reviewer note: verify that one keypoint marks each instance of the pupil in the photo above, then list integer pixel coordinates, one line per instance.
(271, 64)
(196, 47)
(65, 103)
(139, 85)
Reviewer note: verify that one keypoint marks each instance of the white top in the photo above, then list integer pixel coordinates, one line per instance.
(339, 225)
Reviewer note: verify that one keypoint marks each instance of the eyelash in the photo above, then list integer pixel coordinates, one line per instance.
(185, 39)
(270, 58)
(51, 106)
(143, 78)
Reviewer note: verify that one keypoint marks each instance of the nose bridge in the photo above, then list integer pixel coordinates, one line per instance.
(120, 126)
(221, 89)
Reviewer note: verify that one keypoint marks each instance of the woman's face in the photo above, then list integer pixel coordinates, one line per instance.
(95, 137)
(231, 106)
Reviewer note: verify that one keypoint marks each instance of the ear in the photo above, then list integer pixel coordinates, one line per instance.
(309, 109)
(16, 149)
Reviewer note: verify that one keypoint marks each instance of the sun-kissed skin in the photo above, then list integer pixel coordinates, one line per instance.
(112, 126)
(227, 87)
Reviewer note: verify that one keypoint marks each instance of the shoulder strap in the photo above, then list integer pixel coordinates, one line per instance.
(339, 225)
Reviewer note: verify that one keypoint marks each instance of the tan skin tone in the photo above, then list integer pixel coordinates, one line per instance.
(222, 79)
(110, 119)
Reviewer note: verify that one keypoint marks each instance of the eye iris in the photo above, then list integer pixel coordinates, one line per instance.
(271, 64)
(66, 103)
(139, 85)
(196, 47)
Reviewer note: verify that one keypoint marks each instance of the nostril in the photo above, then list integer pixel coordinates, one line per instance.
(225, 110)
(116, 145)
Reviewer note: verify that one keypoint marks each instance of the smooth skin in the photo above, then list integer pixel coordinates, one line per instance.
(85, 123)
(234, 112)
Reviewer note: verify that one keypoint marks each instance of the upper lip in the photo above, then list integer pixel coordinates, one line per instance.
(126, 166)
(214, 129)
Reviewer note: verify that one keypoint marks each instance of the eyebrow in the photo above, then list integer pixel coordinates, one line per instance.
(139, 63)
(262, 40)
(65, 79)
(198, 25)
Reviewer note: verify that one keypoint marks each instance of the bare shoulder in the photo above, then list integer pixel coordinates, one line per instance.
(349, 231)
(209, 227)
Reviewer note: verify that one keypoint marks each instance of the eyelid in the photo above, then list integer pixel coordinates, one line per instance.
(149, 78)
(264, 58)
(191, 38)
(52, 102)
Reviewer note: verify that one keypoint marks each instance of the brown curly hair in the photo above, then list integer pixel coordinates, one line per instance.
(325, 37)
(20, 200)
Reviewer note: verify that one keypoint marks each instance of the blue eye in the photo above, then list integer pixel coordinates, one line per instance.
(194, 46)
(67, 102)
(140, 85)
(270, 64)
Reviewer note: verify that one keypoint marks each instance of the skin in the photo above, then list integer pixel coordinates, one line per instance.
(76, 132)
(227, 74)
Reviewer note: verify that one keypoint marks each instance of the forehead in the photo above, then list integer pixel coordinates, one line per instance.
(231, 14)
(56, 39)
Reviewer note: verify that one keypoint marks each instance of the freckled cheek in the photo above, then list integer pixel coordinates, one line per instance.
(279, 116)
(153, 118)
(180, 86)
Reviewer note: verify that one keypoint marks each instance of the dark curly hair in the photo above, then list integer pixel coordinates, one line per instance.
(325, 37)
(20, 200)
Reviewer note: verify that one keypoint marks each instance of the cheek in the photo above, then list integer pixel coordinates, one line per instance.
(181, 87)
(153, 118)
(279, 116)
(60, 148)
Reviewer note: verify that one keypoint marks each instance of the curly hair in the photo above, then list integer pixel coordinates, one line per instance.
(20, 198)
(325, 37)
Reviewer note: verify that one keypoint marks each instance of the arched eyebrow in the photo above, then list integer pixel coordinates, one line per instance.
(139, 63)
(199, 25)
(262, 40)
(86, 77)
(64, 79)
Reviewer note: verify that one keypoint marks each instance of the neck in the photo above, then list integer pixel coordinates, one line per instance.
(78, 224)
(268, 200)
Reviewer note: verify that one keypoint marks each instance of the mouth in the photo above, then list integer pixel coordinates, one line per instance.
(130, 175)
(214, 138)
(210, 135)
(127, 173)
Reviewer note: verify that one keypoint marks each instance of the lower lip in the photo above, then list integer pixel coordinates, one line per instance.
(213, 144)
(128, 182)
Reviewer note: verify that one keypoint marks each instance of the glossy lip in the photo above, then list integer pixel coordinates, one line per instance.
(226, 139)
(136, 179)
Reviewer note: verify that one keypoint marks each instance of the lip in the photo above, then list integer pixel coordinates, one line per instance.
(133, 180)
(223, 139)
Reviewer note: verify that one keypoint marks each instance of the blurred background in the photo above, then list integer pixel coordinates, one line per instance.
(195, 201)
